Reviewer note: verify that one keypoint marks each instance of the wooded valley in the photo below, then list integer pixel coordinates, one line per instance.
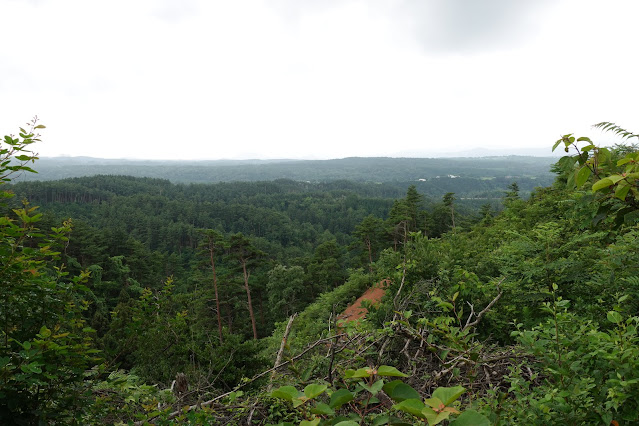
(140, 299)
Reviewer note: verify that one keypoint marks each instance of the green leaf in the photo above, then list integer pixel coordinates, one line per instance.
(411, 406)
(313, 390)
(299, 401)
(615, 178)
(387, 371)
(381, 420)
(285, 392)
(582, 175)
(399, 391)
(35, 367)
(346, 423)
(340, 397)
(357, 374)
(622, 191)
(603, 183)
(313, 422)
(434, 417)
(374, 388)
(448, 395)
(614, 317)
(45, 332)
(446, 306)
(584, 138)
(471, 418)
(624, 161)
(322, 409)
(433, 402)
(556, 145)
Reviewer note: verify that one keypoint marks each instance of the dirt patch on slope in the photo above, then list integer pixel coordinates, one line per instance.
(373, 295)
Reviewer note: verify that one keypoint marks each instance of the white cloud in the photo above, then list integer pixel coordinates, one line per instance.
(213, 79)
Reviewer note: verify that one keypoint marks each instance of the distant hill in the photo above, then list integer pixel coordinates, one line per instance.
(379, 169)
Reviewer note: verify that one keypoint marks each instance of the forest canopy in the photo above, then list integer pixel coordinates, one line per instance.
(135, 299)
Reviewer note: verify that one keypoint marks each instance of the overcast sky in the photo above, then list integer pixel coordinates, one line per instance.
(188, 79)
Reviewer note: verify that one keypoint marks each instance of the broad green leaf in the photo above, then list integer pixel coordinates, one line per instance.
(313, 390)
(322, 409)
(624, 161)
(434, 402)
(583, 175)
(614, 317)
(556, 145)
(446, 305)
(584, 138)
(411, 406)
(448, 395)
(347, 423)
(285, 392)
(374, 388)
(385, 370)
(603, 155)
(313, 422)
(340, 397)
(359, 373)
(471, 418)
(622, 191)
(615, 178)
(434, 417)
(399, 391)
(45, 332)
(381, 420)
(35, 367)
(299, 401)
(603, 183)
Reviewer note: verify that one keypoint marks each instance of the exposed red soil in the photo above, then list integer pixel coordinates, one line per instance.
(373, 295)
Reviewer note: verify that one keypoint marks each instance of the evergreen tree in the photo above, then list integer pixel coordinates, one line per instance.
(242, 250)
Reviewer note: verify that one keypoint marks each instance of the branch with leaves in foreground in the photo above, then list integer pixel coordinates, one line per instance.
(612, 173)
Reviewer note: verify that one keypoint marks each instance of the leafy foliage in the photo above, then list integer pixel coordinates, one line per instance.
(45, 344)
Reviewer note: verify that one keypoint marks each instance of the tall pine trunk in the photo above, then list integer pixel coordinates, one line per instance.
(217, 297)
(248, 297)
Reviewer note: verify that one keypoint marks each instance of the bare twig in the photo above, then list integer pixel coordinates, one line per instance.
(486, 309)
(278, 358)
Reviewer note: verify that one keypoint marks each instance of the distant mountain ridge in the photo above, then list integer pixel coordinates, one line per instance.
(362, 169)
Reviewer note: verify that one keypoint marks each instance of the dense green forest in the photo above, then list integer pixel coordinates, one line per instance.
(139, 300)
(467, 177)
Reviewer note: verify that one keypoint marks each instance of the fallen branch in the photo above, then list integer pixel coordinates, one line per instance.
(278, 358)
